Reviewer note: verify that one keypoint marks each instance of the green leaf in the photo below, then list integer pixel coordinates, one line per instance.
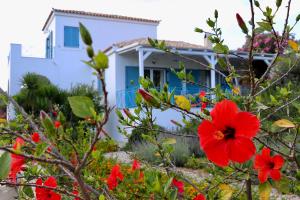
(278, 3)
(101, 197)
(265, 26)
(85, 35)
(47, 123)
(173, 195)
(220, 48)
(298, 18)
(167, 185)
(210, 23)
(101, 61)
(283, 185)
(199, 30)
(82, 106)
(5, 160)
(40, 149)
(264, 191)
(157, 186)
(169, 141)
(28, 191)
(257, 4)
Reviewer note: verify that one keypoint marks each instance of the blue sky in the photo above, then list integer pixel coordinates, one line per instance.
(22, 21)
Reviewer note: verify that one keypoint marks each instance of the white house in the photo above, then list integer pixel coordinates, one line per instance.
(123, 39)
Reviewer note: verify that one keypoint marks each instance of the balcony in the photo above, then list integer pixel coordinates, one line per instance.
(126, 98)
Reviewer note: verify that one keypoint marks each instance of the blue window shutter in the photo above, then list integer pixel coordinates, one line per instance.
(194, 88)
(132, 84)
(71, 36)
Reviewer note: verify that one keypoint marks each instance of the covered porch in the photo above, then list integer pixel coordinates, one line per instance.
(138, 59)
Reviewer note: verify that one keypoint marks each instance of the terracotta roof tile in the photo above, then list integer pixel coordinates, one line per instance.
(144, 42)
(109, 16)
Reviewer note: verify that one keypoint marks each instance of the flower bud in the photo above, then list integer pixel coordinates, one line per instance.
(85, 35)
(101, 60)
(90, 51)
(149, 98)
(242, 23)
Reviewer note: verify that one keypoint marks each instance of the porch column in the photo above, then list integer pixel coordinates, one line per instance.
(141, 63)
(213, 63)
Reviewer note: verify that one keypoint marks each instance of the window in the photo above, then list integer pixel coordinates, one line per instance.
(71, 36)
(49, 46)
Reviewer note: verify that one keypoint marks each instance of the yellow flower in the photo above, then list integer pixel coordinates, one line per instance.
(182, 102)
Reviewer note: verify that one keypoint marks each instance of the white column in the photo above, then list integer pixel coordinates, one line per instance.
(141, 63)
(213, 63)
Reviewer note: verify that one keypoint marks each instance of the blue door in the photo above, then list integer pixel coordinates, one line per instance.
(131, 86)
(174, 82)
(194, 88)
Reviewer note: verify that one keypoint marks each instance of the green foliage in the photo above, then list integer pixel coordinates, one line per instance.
(82, 106)
(5, 161)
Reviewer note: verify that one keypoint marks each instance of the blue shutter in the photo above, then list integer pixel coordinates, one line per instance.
(71, 36)
(174, 82)
(194, 88)
(132, 84)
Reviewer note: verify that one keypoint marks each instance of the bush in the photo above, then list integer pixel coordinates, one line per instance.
(145, 151)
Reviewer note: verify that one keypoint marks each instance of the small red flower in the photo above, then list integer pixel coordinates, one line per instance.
(57, 124)
(228, 137)
(203, 105)
(268, 165)
(75, 192)
(115, 175)
(49, 149)
(136, 165)
(179, 185)
(17, 161)
(54, 113)
(47, 194)
(35, 137)
(202, 94)
(199, 197)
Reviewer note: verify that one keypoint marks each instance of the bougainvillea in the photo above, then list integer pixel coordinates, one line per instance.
(228, 137)
(268, 165)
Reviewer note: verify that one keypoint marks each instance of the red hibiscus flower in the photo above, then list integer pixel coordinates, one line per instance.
(268, 165)
(35, 137)
(17, 161)
(199, 197)
(57, 124)
(179, 185)
(136, 165)
(228, 137)
(202, 94)
(46, 194)
(115, 175)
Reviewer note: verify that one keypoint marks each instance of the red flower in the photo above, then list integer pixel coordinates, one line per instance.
(17, 161)
(49, 149)
(202, 94)
(35, 137)
(54, 113)
(46, 194)
(268, 165)
(203, 105)
(115, 174)
(136, 165)
(57, 124)
(228, 137)
(199, 197)
(75, 192)
(179, 185)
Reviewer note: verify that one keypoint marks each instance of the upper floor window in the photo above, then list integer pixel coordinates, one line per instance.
(49, 45)
(71, 36)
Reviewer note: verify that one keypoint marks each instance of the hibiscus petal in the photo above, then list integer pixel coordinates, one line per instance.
(275, 174)
(266, 152)
(216, 152)
(246, 124)
(223, 114)
(263, 175)
(259, 162)
(278, 161)
(240, 149)
(206, 132)
(51, 182)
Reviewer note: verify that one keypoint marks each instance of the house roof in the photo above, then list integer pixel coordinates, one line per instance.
(93, 14)
(144, 42)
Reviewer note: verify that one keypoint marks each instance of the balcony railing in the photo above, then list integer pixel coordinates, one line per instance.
(126, 98)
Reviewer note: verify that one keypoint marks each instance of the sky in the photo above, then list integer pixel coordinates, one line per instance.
(21, 21)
